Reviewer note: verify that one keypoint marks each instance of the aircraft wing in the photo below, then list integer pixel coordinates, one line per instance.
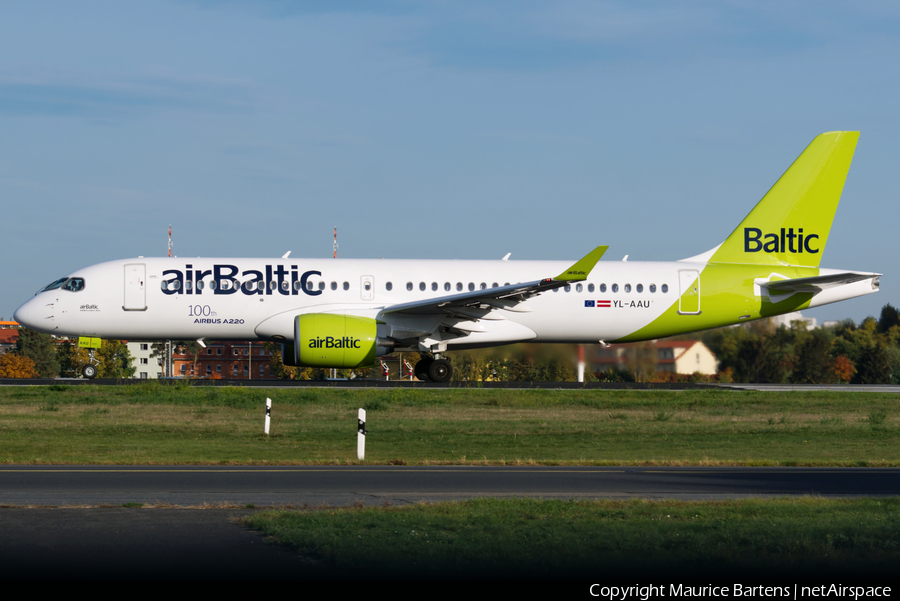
(477, 303)
(818, 283)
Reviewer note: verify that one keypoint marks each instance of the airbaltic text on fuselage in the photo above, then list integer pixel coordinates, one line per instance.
(332, 342)
(753, 241)
(223, 279)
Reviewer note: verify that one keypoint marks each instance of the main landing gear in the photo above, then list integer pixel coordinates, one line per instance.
(435, 369)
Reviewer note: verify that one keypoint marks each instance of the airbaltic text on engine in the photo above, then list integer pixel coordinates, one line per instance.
(332, 342)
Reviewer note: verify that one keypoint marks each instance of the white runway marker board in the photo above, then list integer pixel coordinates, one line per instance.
(361, 435)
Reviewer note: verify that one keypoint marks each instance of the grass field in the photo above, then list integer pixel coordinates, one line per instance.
(793, 539)
(163, 424)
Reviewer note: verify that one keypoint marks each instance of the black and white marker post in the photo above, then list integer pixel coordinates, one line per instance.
(361, 436)
(268, 414)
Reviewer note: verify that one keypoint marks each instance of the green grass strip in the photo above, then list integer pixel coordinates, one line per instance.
(550, 540)
(161, 424)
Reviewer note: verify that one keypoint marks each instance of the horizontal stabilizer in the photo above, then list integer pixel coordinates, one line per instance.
(814, 284)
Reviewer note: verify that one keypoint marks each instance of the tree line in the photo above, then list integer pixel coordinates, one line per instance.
(39, 355)
(864, 353)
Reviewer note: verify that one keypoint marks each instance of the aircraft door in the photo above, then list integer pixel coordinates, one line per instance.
(135, 287)
(689, 289)
(367, 288)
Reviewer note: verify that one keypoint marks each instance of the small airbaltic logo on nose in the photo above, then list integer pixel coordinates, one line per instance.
(753, 241)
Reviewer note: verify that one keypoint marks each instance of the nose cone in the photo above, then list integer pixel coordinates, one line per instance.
(34, 314)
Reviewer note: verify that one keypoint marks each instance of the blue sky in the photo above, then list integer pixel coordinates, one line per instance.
(433, 129)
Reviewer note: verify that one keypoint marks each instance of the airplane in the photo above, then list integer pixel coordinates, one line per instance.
(345, 313)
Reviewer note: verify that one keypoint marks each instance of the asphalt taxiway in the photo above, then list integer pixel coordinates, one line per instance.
(311, 486)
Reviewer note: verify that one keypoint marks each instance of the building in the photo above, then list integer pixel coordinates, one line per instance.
(226, 361)
(9, 334)
(676, 356)
(146, 367)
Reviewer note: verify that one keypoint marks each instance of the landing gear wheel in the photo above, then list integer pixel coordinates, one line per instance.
(89, 372)
(421, 369)
(440, 370)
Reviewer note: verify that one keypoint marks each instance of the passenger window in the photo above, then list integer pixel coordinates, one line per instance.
(447, 286)
(422, 286)
(483, 286)
(434, 286)
(578, 288)
(602, 287)
(296, 286)
(471, 287)
(321, 285)
(590, 287)
(652, 288)
(640, 287)
(176, 285)
(409, 286)
(286, 286)
(568, 287)
(346, 285)
(388, 286)
(664, 288)
(627, 287)
(495, 285)
(615, 287)
(459, 286)
(200, 285)
(334, 285)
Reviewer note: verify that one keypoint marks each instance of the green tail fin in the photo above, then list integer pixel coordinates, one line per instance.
(790, 225)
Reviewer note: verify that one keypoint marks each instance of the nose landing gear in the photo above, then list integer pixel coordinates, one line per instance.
(89, 371)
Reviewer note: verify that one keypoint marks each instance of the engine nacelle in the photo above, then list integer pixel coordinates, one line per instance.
(334, 340)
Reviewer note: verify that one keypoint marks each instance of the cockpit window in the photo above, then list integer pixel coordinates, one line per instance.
(54, 285)
(74, 285)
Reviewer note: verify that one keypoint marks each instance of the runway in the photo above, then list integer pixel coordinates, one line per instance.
(312, 486)
(68, 524)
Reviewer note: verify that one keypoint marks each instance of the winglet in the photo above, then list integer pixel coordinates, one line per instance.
(581, 269)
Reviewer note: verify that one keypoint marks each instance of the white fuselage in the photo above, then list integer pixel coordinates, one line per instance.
(258, 299)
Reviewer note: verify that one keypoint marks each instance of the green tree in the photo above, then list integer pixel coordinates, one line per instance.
(889, 318)
(115, 360)
(874, 365)
(758, 361)
(71, 358)
(41, 349)
(812, 362)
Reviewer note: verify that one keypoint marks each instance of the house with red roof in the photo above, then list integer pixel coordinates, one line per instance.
(676, 356)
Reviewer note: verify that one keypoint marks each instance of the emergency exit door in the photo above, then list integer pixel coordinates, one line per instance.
(689, 289)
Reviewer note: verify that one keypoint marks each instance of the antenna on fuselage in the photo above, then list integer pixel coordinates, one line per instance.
(170, 239)
(335, 243)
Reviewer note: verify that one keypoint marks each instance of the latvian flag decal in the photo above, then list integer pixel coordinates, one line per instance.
(599, 303)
